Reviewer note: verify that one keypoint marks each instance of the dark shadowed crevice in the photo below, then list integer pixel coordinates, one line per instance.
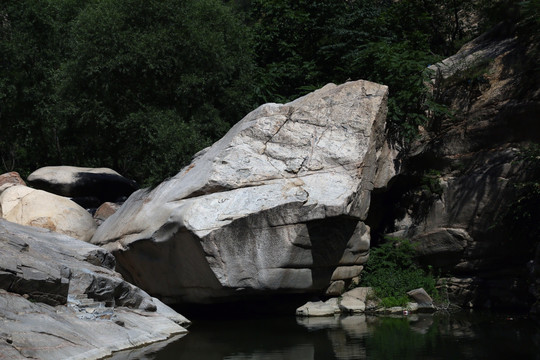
(329, 239)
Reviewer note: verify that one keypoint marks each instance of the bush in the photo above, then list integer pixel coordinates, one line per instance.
(392, 271)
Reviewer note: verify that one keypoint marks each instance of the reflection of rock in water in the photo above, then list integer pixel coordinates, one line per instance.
(420, 323)
(319, 323)
(457, 326)
(299, 352)
(347, 334)
(146, 352)
(344, 332)
(346, 339)
(344, 347)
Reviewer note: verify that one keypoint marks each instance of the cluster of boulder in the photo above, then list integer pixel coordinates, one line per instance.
(63, 198)
(59, 295)
(363, 300)
(276, 206)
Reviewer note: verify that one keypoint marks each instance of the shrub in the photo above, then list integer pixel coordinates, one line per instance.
(392, 271)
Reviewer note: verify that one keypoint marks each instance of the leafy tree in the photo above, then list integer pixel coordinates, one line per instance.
(110, 83)
(134, 66)
(303, 45)
(98, 82)
(32, 44)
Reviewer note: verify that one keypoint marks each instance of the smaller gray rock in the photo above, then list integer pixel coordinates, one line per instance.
(336, 288)
(423, 300)
(360, 293)
(346, 272)
(105, 211)
(354, 301)
(349, 304)
(319, 308)
(26, 206)
(421, 297)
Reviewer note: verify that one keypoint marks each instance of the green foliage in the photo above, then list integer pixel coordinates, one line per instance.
(391, 301)
(404, 69)
(134, 85)
(150, 83)
(32, 43)
(392, 271)
(140, 86)
(303, 45)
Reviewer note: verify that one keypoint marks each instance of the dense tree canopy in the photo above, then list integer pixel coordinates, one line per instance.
(135, 85)
(140, 86)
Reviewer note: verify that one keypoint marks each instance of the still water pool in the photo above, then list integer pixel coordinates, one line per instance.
(464, 335)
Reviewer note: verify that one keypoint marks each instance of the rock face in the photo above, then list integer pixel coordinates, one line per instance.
(60, 298)
(276, 205)
(10, 179)
(105, 211)
(27, 206)
(461, 177)
(47, 267)
(88, 186)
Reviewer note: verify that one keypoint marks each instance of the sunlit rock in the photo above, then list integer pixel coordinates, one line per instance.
(274, 206)
(27, 206)
(60, 298)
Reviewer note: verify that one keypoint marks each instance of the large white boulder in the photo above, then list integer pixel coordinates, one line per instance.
(26, 206)
(274, 206)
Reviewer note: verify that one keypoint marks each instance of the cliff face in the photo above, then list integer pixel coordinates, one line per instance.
(463, 178)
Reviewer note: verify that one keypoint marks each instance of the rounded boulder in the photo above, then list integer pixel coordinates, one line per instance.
(31, 207)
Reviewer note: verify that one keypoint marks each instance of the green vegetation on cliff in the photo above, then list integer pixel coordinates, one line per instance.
(392, 271)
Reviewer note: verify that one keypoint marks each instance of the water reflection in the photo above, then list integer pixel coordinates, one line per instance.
(457, 336)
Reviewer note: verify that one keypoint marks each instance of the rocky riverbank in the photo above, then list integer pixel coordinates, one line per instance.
(289, 201)
(60, 298)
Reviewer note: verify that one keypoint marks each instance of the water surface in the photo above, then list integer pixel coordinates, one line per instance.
(463, 335)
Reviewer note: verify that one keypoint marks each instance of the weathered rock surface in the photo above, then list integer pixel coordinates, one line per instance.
(38, 331)
(88, 186)
(26, 206)
(319, 308)
(345, 333)
(460, 178)
(10, 179)
(421, 297)
(275, 205)
(60, 298)
(352, 301)
(105, 211)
